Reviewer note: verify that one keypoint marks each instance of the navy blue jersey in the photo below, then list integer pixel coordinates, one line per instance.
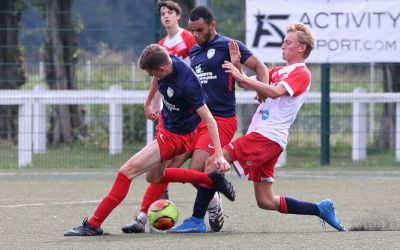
(219, 86)
(182, 95)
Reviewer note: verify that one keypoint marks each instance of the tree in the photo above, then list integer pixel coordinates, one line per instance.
(60, 56)
(11, 59)
(391, 83)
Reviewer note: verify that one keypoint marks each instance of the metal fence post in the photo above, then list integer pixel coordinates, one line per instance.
(325, 114)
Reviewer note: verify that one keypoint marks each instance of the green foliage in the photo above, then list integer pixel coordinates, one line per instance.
(230, 17)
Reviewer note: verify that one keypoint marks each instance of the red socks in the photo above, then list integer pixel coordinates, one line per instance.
(122, 183)
(117, 193)
(283, 206)
(187, 175)
(153, 192)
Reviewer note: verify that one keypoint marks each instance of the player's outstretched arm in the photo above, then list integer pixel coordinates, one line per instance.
(253, 63)
(265, 90)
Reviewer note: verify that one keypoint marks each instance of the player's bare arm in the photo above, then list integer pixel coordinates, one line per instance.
(151, 110)
(253, 63)
(262, 88)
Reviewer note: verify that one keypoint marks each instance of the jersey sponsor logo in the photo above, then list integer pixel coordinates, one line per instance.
(210, 53)
(170, 92)
(210, 146)
(203, 76)
(264, 114)
(198, 69)
(171, 107)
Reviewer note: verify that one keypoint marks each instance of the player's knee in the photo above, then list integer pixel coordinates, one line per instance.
(266, 204)
(129, 171)
(208, 165)
(152, 178)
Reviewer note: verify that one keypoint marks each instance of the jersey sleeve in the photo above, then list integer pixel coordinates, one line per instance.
(297, 82)
(189, 39)
(245, 53)
(161, 42)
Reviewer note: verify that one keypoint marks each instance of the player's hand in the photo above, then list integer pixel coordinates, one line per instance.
(230, 68)
(222, 164)
(150, 112)
(234, 53)
(260, 98)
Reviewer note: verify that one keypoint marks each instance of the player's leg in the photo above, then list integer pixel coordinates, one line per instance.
(176, 162)
(153, 192)
(287, 205)
(195, 223)
(263, 179)
(142, 161)
(186, 175)
(214, 209)
(204, 149)
(262, 175)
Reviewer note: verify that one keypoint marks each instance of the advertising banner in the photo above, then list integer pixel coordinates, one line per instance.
(356, 31)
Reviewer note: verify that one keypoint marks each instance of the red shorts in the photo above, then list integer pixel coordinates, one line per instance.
(254, 155)
(159, 125)
(172, 144)
(226, 128)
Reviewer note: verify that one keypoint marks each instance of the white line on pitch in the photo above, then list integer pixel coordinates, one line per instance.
(49, 204)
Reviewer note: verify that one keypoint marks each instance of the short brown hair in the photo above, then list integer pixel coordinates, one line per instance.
(171, 5)
(154, 56)
(304, 36)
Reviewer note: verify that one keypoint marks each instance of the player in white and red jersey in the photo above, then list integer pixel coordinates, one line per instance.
(179, 44)
(256, 153)
(178, 41)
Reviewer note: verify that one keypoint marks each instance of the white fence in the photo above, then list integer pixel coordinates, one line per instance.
(32, 114)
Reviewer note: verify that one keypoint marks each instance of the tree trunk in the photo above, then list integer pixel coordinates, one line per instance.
(391, 78)
(12, 74)
(60, 58)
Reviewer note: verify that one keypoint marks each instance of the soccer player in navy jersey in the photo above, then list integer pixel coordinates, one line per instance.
(207, 57)
(256, 153)
(184, 108)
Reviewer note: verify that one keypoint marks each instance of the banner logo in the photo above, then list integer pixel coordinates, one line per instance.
(275, 31)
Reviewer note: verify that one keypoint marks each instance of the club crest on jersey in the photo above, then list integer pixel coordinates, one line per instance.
(210, 53)
(170, 92)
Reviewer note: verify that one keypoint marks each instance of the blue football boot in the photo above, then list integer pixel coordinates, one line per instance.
(190, 225)
(328, 215)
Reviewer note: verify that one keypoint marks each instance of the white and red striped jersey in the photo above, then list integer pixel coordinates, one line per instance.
(180, 44)
(274, 117)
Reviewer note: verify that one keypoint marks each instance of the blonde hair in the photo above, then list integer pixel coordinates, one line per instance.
(304, 36)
